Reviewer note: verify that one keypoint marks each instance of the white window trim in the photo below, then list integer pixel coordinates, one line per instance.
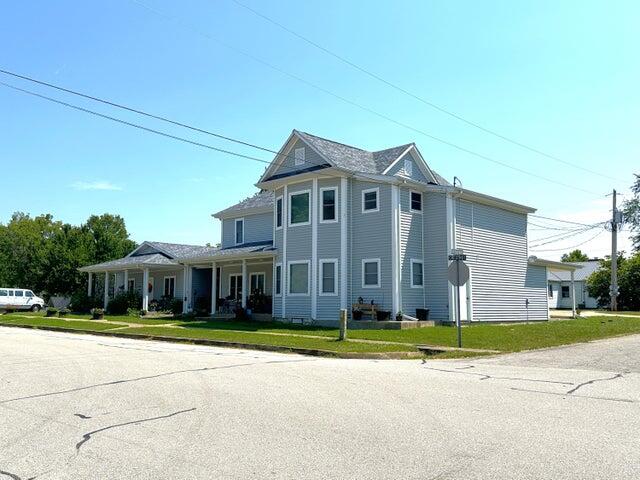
(419, 212)
(229, 283)
(369, 190)
(275, 213)
(275, 280)
(235, 231)
(299, 262)
(321, 262)
(252, 274)
(413, 262)
(291, 195)
(321, 204)
(297, 161)
(407, 161)
(164, 280)
(371, 260)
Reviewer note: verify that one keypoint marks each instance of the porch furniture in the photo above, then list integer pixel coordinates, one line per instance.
(366, 309)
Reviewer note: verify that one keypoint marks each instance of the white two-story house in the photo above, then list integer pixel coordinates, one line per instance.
(333, 225)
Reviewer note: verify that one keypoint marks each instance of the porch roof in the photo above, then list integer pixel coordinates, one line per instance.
(138, 261)
(248, 250)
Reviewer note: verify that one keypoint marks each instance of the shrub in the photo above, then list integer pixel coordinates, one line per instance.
(133, 312)
(241, 313)
(51, 312)
(259, 303)
(63, 312)
(97, 313)
(142, 313)
(202, 305)
(175, 306)
(83, 303)
(122, 302)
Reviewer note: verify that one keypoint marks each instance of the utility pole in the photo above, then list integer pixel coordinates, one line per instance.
(614, 256)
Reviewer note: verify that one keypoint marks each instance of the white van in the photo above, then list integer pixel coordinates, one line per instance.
(19, 299)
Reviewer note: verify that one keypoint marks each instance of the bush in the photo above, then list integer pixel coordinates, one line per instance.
(122, 302)
(97, 313)
(175, 306)
(133, 312)
(63, 312)
(51, 312)
(83, 303)
(259, 303)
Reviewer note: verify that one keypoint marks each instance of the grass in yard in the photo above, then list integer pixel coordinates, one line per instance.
(193, 331)
(108, 318)
(56, 322)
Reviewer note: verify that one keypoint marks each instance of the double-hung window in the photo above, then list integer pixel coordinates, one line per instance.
(278, 279)
(328, 277)
(565, 292)
(371, 273)
(299, 208)
(328, 199)
(256, 281)
(370, 200)
(279, 212)
(169, 287)
(299, 278)
(416, 202)
(239, 231)
(417, 278)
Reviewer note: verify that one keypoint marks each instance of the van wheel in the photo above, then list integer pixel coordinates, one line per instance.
(35, 308)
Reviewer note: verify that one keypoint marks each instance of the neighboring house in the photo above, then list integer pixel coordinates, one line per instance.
(334, 223)
(560, 286)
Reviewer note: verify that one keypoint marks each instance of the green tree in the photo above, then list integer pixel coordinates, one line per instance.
(631, 210)
(110, 237)
(576, 255)
(599, 282)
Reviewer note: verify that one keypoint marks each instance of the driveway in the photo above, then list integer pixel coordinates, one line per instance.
(86, 407)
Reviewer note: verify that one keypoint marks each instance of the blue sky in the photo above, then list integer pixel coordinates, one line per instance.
(560, 76)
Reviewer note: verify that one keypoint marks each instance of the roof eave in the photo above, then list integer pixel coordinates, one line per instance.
(232, 213)
(541, 262)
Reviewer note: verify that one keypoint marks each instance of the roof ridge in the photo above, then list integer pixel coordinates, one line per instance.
(397, 146)
(333, 141)
(173, 243)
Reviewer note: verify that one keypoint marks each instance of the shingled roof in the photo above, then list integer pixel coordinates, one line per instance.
(262, 199)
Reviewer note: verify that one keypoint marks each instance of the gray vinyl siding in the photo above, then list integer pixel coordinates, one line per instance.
(495, 241)
(298, 248)
(277, 242)
(328, 307)
(434, 211)
(371, 238)
(158, 282)
(257, 228)
(288, 166)
(411, 247)
(416, 174)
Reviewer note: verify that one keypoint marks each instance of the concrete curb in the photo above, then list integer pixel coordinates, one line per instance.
(222, 343)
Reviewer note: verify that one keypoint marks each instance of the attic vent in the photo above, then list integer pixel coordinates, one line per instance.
(408, 167)
(299, 159)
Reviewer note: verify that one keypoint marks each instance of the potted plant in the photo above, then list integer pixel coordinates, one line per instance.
(63, 312)
(356, 314)
(399, 316)
(51, 312)
(97, 313)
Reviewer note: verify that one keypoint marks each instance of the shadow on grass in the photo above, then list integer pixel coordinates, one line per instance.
(253, 326)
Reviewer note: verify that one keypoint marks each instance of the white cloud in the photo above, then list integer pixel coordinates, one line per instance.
(99, 185)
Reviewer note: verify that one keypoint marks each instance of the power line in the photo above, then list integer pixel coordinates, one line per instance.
(417, 97)
(572, 247)
(562, 235)
(566, 236)
(559, 220)
(360, 106)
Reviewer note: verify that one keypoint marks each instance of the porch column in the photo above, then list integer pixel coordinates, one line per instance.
(90, 284)
(573, 295)
(185, 287)
(190, 287)
(214, 281)
(145, 289)
(244, 284)
(106, 289)
(126, 281)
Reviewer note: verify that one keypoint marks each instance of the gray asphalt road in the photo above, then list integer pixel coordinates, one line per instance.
(83, 407)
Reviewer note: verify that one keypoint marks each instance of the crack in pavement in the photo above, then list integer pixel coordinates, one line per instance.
(84, 417)
(148, 377)
(565, 395)
(617, 375)
(87, 436)
(485, 376)
(10, 475)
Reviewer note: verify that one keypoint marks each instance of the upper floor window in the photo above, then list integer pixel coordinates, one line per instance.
(239, 231)
(408, 167)
(416, 202)
(371, 273)
(299, 208)
(279, 212)
(370, 200)
(299, 156)
(328, 196)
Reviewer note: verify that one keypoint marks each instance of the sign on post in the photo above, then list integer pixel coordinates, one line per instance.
(458, 275)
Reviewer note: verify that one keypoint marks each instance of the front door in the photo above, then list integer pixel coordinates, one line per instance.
(150, 288)
(257, 283)
(235, 286)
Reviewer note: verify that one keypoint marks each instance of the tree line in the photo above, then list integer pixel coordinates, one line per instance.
(43, 254)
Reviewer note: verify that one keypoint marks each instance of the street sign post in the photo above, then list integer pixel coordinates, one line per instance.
(458, 276)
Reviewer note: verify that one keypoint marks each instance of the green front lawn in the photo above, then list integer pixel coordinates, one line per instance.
(39, 321)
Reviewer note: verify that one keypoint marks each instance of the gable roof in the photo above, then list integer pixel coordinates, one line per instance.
(347, 157)
(147, 260)
(581, 274)
(262, 200)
